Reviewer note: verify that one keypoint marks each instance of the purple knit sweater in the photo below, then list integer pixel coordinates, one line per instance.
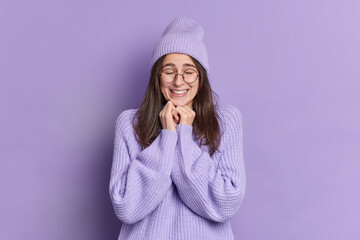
(173, 189)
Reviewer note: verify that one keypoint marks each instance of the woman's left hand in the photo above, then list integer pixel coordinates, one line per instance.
(187, 115)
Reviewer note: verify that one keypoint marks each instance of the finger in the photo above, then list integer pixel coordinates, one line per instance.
(169, 110)
(176, 119)
(162, 111)
(175, 114)
(181, 112)
(171, 103)
(189, 110)
(182, 109)
(186, 109)
(186, 115)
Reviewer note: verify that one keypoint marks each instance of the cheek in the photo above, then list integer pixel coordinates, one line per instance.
(195, 90)
(164, 91)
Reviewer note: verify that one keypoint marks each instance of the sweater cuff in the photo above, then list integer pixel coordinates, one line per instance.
(185, 129)
(159, 155)
(187, 141)
(168, 138)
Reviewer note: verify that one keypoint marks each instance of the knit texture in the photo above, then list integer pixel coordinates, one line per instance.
(173, 189)
(182, 35)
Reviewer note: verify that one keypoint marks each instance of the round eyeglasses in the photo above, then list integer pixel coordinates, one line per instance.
(169, 75)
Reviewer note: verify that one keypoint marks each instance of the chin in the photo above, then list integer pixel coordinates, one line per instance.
(182, 105)
(178, 103)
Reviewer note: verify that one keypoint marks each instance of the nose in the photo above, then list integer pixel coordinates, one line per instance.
(179, 80)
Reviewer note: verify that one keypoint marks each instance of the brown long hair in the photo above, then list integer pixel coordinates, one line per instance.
(206, 127)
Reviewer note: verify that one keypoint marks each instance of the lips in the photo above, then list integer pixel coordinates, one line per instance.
(174, 94)
(172, 90)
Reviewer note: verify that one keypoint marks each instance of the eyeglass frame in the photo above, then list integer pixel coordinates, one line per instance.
(197, 76)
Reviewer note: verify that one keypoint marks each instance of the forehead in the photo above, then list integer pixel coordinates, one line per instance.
(178, 60)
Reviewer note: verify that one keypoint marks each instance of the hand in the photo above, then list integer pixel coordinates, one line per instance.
(187, 115)
(168, 118)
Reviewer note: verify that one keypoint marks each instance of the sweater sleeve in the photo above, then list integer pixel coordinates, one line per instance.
(213, 187)
(139, 180)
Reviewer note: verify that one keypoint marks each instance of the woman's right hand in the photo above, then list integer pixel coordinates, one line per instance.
(168, 119)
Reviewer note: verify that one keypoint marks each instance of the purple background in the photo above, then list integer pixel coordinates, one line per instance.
(68, 68)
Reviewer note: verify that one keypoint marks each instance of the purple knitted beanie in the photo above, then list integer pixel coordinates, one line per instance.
(182, 35)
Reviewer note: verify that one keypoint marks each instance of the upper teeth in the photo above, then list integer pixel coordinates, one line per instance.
(179, 91)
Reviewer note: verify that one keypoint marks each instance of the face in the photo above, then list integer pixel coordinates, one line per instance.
(179, 63)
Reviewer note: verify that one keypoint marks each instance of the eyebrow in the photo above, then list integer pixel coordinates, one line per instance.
(184, 65)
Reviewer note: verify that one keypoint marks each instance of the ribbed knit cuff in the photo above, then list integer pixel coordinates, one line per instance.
(168, 139)
(187, 143)
(159, 155)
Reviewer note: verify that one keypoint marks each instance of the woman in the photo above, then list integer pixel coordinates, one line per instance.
(178, 170)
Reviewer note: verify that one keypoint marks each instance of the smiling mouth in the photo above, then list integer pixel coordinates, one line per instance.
(179, 91)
